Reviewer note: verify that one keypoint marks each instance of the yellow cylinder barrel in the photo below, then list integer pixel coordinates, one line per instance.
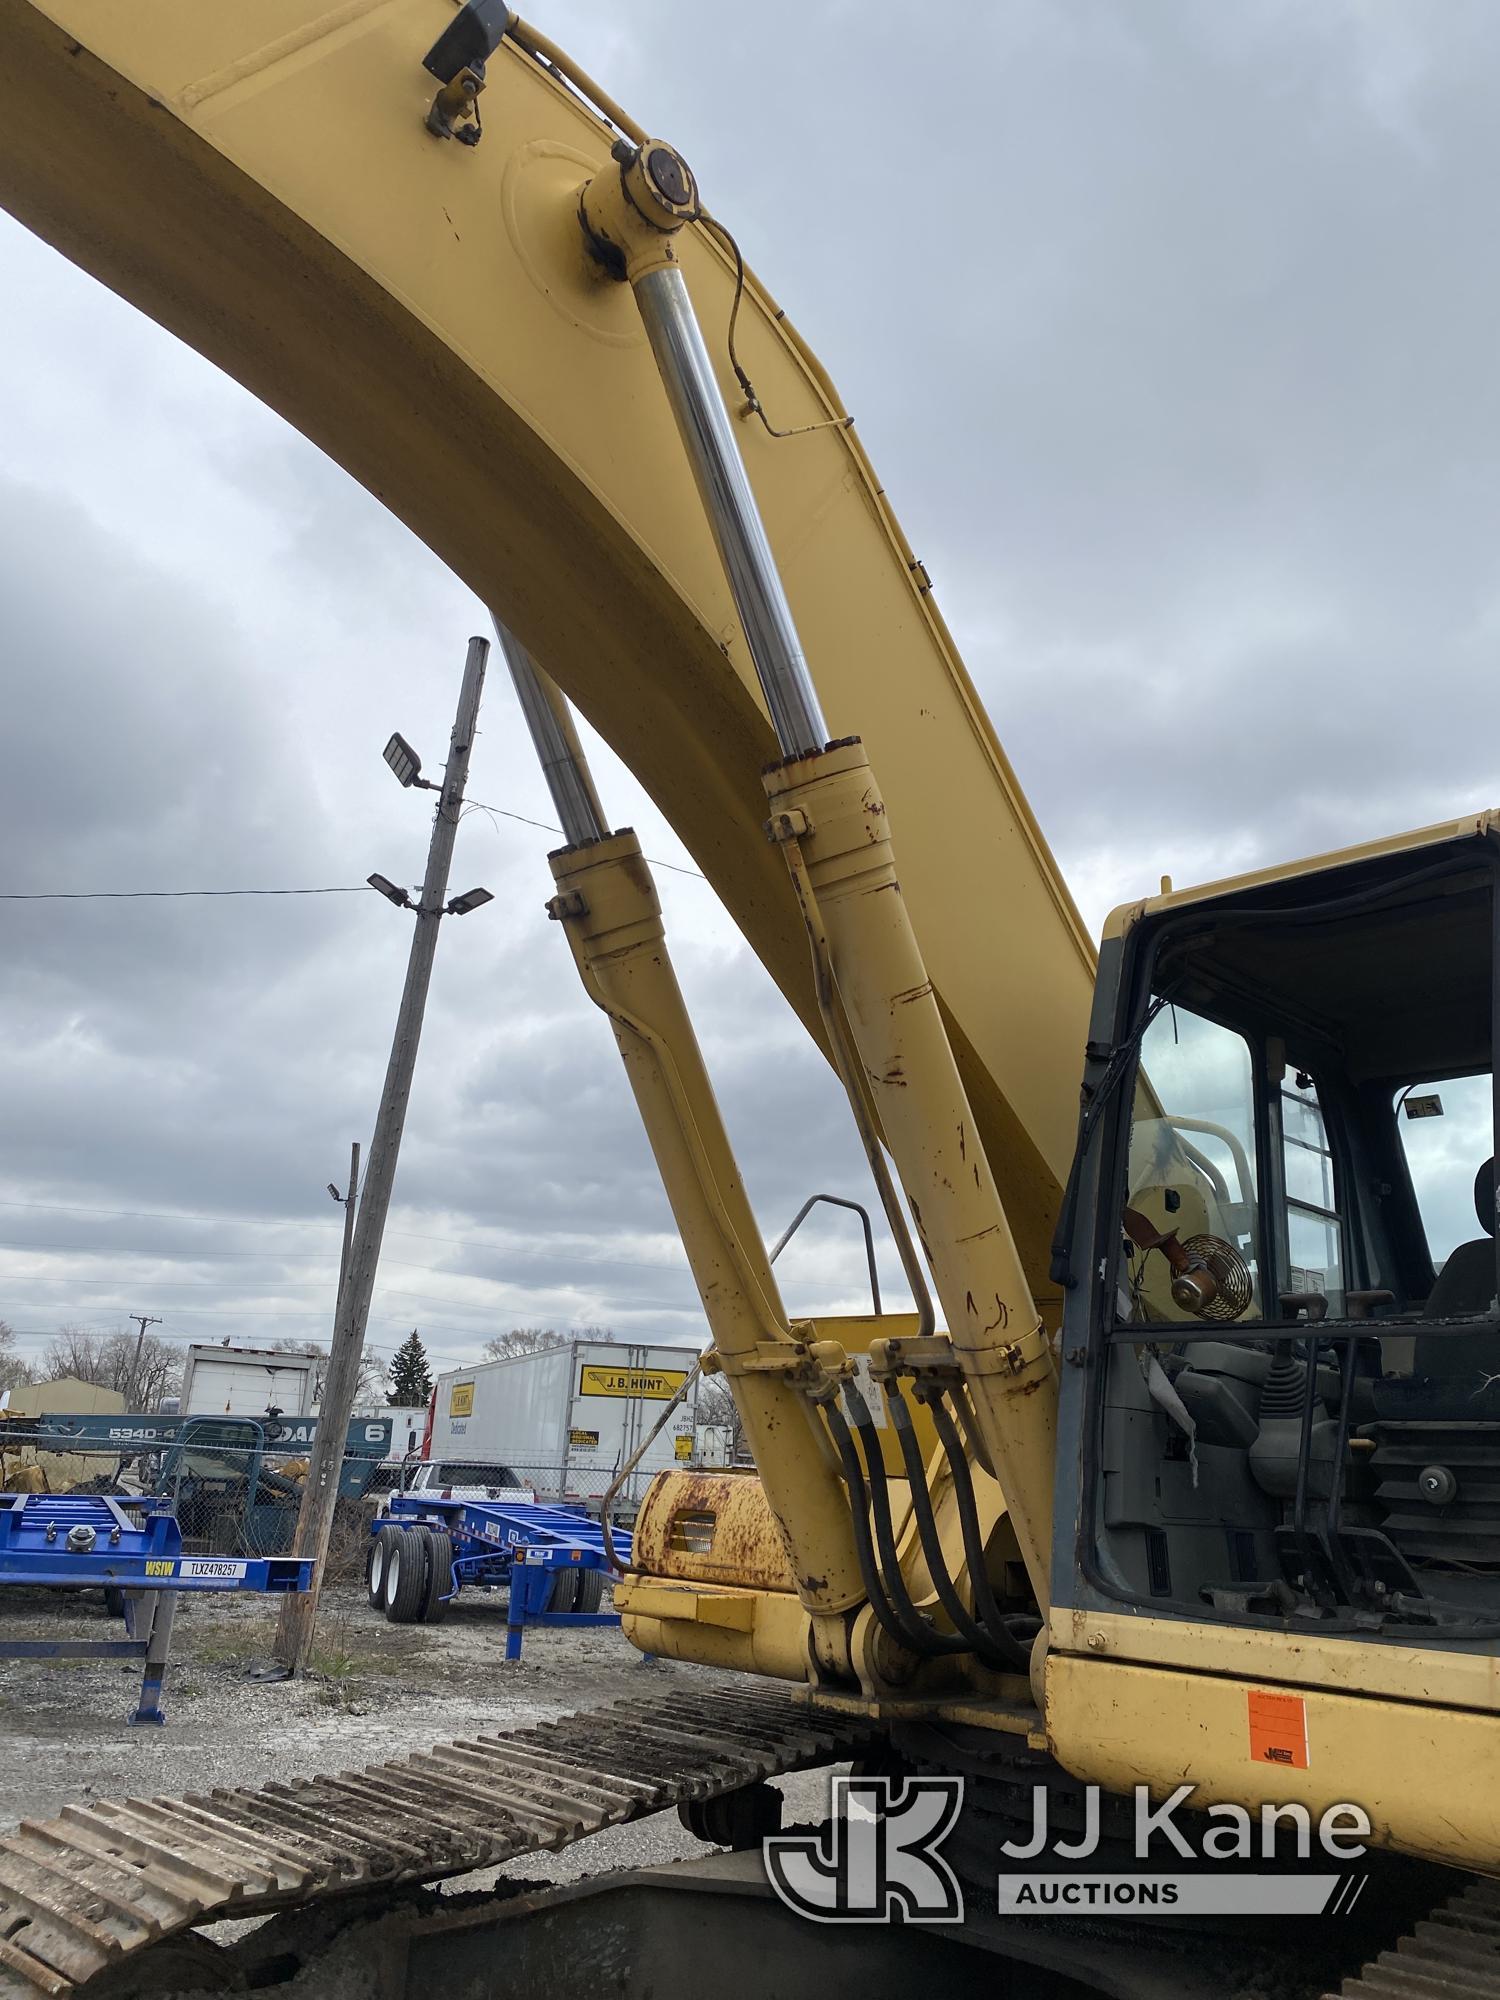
(828, 812)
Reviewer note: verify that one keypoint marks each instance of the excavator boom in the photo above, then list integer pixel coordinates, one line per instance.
(261, 180)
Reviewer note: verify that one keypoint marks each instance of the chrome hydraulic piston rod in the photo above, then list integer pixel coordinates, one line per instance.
(554, 736)
(704, 423)
(831, 823)
(630, 221)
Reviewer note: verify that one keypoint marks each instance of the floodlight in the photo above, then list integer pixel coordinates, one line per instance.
(402, 759)
(471, 899)
(389, 890)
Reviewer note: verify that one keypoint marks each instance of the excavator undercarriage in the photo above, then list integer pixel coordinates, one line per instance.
(106, 1900)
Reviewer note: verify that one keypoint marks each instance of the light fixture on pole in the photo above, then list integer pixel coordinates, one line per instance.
(471, 899)
(389, 890)
(406, 764)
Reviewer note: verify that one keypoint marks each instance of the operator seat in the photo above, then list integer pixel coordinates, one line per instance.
(1466, 1283)
(1465, 1287)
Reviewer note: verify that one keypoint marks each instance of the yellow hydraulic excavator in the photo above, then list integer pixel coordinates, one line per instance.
(1168, 1519)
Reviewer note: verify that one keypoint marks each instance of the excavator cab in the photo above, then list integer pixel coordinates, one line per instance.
(1284, 1406)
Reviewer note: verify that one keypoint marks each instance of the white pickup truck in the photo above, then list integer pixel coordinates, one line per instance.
(464, 1479)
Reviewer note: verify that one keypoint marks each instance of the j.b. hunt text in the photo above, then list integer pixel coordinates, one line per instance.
(1234, 1835)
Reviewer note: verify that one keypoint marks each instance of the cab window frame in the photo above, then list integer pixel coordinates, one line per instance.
(1338, 1101)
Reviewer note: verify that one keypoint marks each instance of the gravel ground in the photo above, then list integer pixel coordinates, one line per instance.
(376, 1691)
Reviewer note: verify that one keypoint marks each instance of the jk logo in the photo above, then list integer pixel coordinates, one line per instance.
(881, 1863)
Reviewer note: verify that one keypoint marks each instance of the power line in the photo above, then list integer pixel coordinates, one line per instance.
(334, 889)
(545, 826)
(170, 895)
(192, 1254)
(284, 1222)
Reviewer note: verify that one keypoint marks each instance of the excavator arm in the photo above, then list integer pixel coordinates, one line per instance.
(417, 273)
(263, 182)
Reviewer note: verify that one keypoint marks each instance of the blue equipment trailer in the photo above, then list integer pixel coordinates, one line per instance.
(552, 1560)
(129, 1546)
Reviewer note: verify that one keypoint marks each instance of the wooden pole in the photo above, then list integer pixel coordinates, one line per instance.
(294, 1630)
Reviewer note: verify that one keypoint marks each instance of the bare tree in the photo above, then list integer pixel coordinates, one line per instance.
(109, 1359)
(371, 1385)
(522, 1340)
(716, 1405)
(13, 1370)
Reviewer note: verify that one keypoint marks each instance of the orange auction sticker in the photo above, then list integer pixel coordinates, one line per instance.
(1278, 1729)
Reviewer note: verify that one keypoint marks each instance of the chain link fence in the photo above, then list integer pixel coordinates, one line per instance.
(230, 1498)
(235, 1499)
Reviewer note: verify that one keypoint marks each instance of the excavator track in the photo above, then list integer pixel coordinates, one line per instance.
(86, 1891)
(1452, 1954)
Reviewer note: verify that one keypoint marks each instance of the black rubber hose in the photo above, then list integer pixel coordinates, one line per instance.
(859, 1502)
(932, 1544)
(991, 1617)
(921, 1635)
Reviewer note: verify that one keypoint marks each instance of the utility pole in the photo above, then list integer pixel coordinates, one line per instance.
(349, 1202)
(142, 1320)
(298, 1616)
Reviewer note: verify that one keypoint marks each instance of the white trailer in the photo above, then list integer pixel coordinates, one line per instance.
(567, 1418)
(248, 1381)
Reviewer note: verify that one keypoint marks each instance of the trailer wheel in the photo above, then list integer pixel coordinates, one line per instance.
(114, 1601)
(563, 1595)
(375, 1562)
(590, 1590)
(437, 1575)
(405, 1577)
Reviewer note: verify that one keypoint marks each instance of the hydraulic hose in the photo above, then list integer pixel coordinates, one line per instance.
(859, 1501)
(991, 1617)
(984, 1647)
(921, 1635)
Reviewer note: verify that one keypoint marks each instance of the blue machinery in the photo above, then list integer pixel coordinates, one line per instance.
(552, 1559)
(130, 1547)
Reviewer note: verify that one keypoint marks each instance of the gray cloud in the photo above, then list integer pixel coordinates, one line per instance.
(1168, 329)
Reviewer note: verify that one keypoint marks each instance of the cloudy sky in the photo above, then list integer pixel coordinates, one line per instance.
(1171, 330)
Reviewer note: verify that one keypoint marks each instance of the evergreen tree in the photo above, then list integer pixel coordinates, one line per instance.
(411, 1379)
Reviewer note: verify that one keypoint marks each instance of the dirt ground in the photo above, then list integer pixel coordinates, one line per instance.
(375, 1691)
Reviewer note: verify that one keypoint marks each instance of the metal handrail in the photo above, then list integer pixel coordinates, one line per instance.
(835, 1201)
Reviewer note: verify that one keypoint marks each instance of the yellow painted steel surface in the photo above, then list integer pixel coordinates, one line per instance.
(1346, 1666)
(1471, 827)
(1427, 1775)
(258, 179)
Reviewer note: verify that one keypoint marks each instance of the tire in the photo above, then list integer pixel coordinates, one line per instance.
(590, 1590)
(564, 1593)
(114, 1602)
(405, 1577)
(437, 1575)
(375, 1566)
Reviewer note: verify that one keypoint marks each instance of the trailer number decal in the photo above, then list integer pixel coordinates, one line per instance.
(658, 1385)
(209, 1566)
(461, 1400)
